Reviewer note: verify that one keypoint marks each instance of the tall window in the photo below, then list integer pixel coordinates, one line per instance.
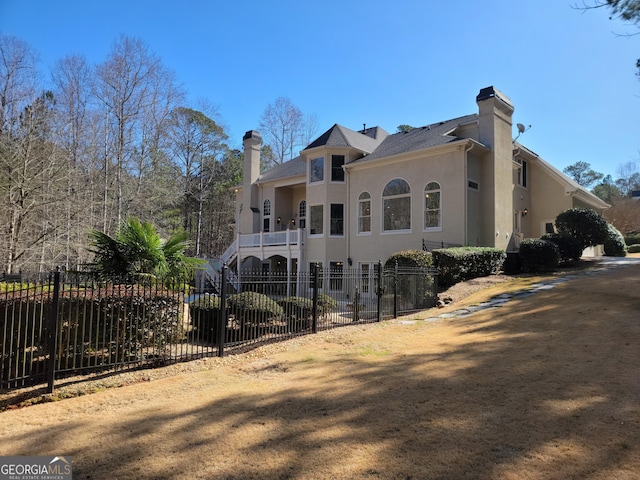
(335, 275)
(365, 277)
(522, 173)
(266, 215)
(316, 170)
(302, 213)
(396, 205)
(432, 215)
(336, 226)
(316, 213)
(364, 213)
(337, 173)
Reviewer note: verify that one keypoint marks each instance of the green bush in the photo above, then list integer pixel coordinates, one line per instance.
(570, 247)
(298, 311)
(410, 258)
(537, 255)
(205, 317)
(635, 248)
(614, 245)
(588, 226)
(326, 304)
(464, 263)
(632, 239)
(254, 307)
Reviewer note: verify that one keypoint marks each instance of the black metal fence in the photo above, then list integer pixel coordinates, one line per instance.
(76, 324)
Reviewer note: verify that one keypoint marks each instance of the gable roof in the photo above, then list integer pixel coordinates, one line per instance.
(419, 138)
(366, 140)
(570, 185)
(292, 168)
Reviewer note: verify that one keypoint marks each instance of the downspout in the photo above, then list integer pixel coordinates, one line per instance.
(467, 148)
(347, 220)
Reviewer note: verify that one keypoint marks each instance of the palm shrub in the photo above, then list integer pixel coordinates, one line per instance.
(537, 255)
(614, 245)
(137, 249)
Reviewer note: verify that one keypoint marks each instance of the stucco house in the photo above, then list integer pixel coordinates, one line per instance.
(355, 197)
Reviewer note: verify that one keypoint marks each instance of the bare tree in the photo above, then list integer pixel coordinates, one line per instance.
(71, 78)
(197, 145)
(285, 130)
(125, 87)
(18, 76)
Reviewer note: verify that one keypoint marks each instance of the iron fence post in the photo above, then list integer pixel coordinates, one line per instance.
(52, 333)
(314, 277)
(380, 289)
(356, 305)
(395, 290)
(222, 323)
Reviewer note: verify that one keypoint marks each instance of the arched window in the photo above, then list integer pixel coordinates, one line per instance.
(432, 206)
(302, 213)
(364, 213)
(266, 216)
(396, 206)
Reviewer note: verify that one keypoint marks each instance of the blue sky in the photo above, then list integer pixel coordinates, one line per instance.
(568, 73)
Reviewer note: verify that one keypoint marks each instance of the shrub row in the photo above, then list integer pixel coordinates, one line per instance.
(463, 263)
(250, 310)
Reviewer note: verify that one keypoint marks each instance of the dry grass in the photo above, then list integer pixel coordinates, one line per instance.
(545, 387)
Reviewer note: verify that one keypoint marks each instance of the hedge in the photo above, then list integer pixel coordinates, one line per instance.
(538, 255)
(464, 263)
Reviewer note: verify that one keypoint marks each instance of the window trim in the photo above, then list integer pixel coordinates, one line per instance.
(344, 161)
(302, 214)
(309, 209)
(309, 179)
(392, 197)
(359, 216)
(437, 228)
(336, 235)
(266, 215)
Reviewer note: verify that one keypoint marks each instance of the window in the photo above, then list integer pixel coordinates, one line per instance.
(432, 206)
(302, 213)
(396, 206)
(364, 277)
(316, 170)
(316, 213)
(320, 272)
(336, 226)
(335, 276)
(266, 215)
(364, 213)
(522, 173)
(337, 173)
(549, 228)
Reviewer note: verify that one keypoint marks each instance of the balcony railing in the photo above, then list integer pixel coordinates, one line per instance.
(271, 239)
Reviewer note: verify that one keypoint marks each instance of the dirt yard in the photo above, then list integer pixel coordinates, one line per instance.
(547, 386)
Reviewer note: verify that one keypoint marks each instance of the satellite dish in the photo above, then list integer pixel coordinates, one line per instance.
(520, 127)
